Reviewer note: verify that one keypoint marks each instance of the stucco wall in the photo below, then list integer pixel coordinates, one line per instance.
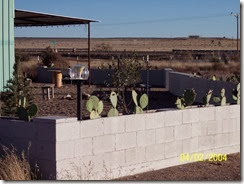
(113, 147)
(178, 82)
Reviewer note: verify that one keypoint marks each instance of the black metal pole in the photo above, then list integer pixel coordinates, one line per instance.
(237, 18)
(89, 52)
(148, 80)
(79, 100)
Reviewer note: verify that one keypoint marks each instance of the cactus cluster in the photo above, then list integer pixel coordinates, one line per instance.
(187, 99)
(95, 107)
(143, 103)
(236, 94)
(207, 98)
(26, 113)
(113, 99)
(221, 99)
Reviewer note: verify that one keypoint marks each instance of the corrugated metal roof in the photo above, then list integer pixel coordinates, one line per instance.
(25, 18)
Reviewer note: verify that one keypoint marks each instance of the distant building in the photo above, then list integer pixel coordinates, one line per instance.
(194, 36)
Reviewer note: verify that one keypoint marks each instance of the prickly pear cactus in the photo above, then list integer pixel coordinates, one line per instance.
(114, 100)
(26, 113)
(113, 112)
(222, 99)
(134, 97)
(180, 103)
(22, 101)
(236, 94)
(95, 107)
(207, 98)
(189, 97)
(143, 102)
(32, 110)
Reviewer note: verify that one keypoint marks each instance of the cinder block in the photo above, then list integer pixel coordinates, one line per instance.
(145, 138)
(135, 122)
(173, 118)
(238, 123)
(114, 125)
(83, 147)
(207, 114)
(173, 149)
(80, 169)
(235, 111)
(155, 120)
(205, 142)
(199, 129)
(45, 150)
(67, 131)
(183, 132)
(222, 112)
(213, 127)
(45, 132)
(229, 125)
(103, 144)
(222, 140)
(164, 135)
(17, 129)
(155, 152)
(114, 159)
(125, 140)
(191, 115)
(190, 145)
(235, 138)
(135, 155)
(91, 128)
(65, 150)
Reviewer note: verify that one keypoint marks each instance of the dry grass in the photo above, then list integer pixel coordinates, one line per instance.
(14, 167)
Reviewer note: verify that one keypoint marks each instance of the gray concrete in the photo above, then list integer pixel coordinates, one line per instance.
(106, 148)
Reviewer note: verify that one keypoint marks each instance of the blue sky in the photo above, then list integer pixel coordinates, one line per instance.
(137, 18)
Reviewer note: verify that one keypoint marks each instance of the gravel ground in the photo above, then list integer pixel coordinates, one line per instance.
(198, 171)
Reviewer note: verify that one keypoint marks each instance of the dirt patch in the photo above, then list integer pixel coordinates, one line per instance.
(159, 98)
(199, 171)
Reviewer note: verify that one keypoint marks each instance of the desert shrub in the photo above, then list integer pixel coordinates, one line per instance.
(103, 47)
(22, 57)
(219, 67)
(235, 58)
(14, 167)
(187, 56)
(30, 72)
(51, 58)
(215, 59)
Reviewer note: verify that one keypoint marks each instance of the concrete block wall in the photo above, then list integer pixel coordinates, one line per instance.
(107, 148)
(178, 82)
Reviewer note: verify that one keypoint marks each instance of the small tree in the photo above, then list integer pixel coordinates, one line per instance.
(126, 75)
(13, 91)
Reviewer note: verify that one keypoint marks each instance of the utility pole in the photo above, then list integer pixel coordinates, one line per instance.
(237, 15)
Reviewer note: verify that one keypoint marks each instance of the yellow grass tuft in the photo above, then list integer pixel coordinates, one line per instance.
(14, 167)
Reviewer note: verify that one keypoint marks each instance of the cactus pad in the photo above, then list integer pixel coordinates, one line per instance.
(114, 99)
(144, 101)
(134, 97)
(189, 97)
(113, 112)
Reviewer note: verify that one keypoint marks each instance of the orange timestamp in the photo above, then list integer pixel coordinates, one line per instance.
(201, 157)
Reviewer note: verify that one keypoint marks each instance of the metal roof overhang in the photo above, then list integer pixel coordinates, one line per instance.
(35, 19)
